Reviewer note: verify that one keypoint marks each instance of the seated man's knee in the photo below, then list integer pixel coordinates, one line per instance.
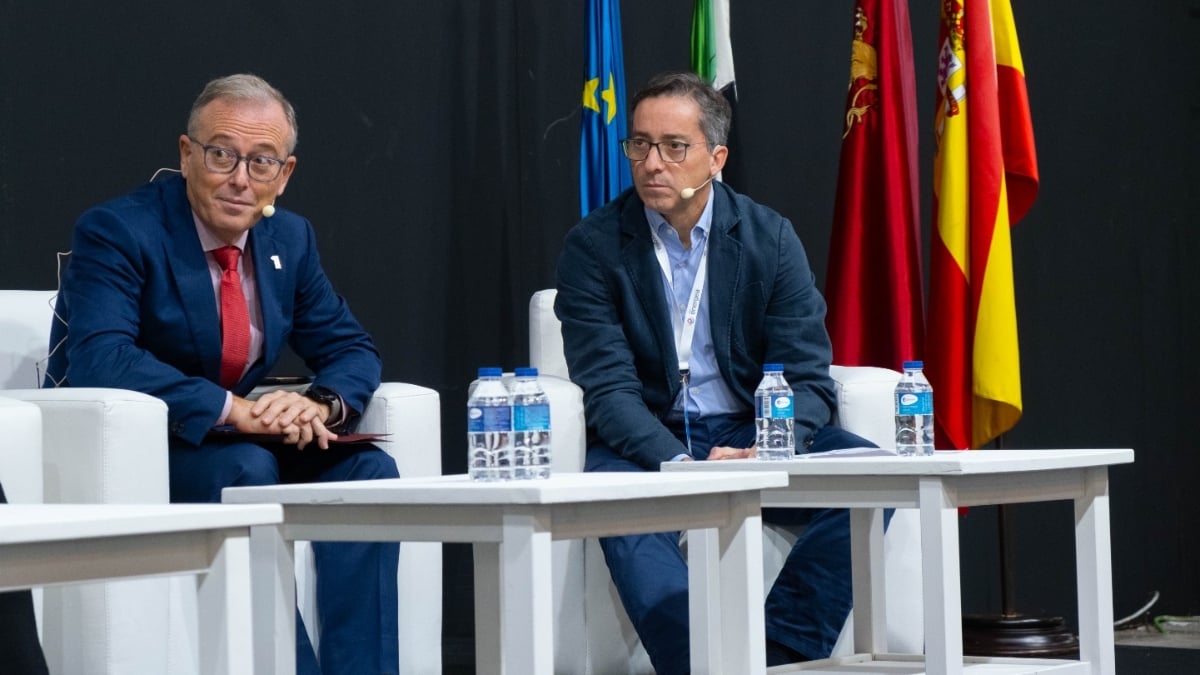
(254, 465)
(373, 463)
(199, 474)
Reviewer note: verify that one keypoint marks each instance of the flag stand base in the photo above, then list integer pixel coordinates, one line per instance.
(1017, 636)
(1011, 633)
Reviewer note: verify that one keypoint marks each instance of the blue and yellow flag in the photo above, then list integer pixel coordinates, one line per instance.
(603, 169)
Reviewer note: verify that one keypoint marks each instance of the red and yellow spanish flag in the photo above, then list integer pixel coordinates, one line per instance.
(873, 285)
(984, 180)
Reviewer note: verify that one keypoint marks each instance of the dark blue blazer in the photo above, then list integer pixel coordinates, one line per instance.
(141, 314)
(764, 307)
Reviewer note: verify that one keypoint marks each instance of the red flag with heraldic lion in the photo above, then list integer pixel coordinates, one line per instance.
(873, 286)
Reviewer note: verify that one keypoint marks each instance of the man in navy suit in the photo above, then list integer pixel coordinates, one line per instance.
(668, 378)
(143, 301)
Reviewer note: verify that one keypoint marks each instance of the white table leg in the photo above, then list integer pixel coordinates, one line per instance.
(940, 577)
(223, 599)
(704, 600)
(868, 574)
(526, 602)
(488, 659)
(725, 592)
(1093, 572)
(743, 636)
(273, 601)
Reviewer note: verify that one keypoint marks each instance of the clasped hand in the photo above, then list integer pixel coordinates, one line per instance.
(296, 419)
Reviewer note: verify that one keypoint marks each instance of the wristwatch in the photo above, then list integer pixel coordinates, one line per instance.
(328, 397)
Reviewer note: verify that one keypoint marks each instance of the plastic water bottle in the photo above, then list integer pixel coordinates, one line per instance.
(531, 426)
(914, 412)
(489, 428)
(774, 415)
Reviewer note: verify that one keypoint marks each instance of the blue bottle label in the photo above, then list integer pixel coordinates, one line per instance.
(534, 417)
(489, 418)
(914, 403)
(780, 407)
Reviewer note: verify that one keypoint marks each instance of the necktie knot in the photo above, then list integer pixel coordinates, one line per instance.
(227, 257)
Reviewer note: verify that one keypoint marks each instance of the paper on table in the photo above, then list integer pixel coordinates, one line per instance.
(851, 452)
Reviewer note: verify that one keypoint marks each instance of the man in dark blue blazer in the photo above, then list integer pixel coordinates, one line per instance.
(629, 278)
(143, 301)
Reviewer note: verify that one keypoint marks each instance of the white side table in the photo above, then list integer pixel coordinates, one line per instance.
(511, 525)
(938, 486)
(42, 544)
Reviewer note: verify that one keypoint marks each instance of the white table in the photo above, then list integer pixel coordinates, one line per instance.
(938, 486)
(43, 544)
(511, 525)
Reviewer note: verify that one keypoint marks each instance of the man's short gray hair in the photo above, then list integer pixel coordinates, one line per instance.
(243, 87)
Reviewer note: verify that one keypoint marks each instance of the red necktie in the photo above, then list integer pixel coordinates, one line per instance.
(235, 319)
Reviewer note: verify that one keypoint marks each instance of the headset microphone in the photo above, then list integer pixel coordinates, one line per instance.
(688, 193)
(268, 210)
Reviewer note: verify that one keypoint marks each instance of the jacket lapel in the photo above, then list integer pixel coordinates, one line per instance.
(268, 265)
(724, 272)
(638, 256)
(189, 268)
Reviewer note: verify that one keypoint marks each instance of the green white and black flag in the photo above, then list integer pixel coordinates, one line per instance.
(712, 60)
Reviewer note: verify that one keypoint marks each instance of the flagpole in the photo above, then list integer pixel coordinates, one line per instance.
(1007, 604)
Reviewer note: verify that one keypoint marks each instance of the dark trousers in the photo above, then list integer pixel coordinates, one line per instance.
(20, 651)
(805, 608)
(356, 582)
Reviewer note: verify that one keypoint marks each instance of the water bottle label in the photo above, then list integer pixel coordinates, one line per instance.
(489, 418)
(781, 407)
(534, 417)
(914, 403)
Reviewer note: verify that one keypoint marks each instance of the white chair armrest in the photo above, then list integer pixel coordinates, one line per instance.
(545, 335)
(568, 431)
(864, 402)
(411, 417)
(104, 446)
(101, 445)
(21, 452)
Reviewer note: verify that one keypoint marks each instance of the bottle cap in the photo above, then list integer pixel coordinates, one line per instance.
(490, 372)
(526, 372)
(772, 367)
(914, 365)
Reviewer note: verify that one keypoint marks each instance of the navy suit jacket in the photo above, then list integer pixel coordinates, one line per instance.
(140, 311)
(764, 307)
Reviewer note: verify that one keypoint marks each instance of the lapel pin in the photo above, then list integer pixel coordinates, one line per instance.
(275, 259)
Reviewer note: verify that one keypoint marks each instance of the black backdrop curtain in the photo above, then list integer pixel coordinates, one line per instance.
(438, 160)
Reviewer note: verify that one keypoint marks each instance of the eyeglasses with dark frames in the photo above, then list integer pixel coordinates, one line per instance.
(219, 159)
(671, 151)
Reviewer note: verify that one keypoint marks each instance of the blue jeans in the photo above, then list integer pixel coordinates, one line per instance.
(808, 603)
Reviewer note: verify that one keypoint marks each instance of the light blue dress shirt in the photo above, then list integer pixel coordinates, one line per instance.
(708, 393)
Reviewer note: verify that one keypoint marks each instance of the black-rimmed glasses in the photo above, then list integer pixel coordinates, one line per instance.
(638, 149)
(219, 159)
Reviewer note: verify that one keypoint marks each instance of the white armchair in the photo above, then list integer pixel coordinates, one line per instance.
(21, 452)
(593, 633)
(110, 445)
(21, 459)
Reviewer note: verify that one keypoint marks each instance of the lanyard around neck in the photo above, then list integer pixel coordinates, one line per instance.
(684, 326)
